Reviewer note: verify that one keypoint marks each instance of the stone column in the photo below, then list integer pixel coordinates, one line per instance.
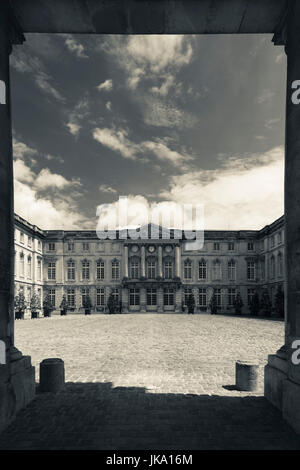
(143, 261)
(160, 267)
(178, 261)
(126, 261)
(17, 378)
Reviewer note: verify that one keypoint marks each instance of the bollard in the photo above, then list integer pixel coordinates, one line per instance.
(246, 375)
(52, 375)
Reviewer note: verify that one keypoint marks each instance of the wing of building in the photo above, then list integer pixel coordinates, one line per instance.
(156, 273)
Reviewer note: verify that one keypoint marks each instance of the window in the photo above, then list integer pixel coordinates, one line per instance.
(100, 297)
(22, 264)
(187, 269)
(250, 295)
(85, 246)
(187, 293)
(279, 238)
(39, 269)
(262, 244)
(71, 270)
(231, 296)
(168, 296)
(262, 269)
(217, 269)
(280, 264)
(85, 269)
(28, 294)
(29, 267)
(151, 296)
(218, 297)
(202, 269)
(29, 241)
(250, 270)
(51, 246)
(272, 267)
(85, 293)
(39, 245)
(272, 241)
(134, 268)
(70, 246)
(202, 297)
(151, 268)
(231, 270)
(21, 237)
(115, 269)
(250, 246)
(216, 246)
(52, 296)
(116, 294)
(231, 246)
(100, 269)
(51, 270)
(134, 297)
(168, 269)
(71, 297)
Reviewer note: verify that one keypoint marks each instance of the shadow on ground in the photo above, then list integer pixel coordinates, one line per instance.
(98, 416)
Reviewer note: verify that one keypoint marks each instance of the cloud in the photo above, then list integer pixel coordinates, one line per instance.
(117, 140)
(79, 113)
(75, 47)
(33, 66)
(104, 188)
(162, 113)
(149, 56)
(230, 193)
(106, 86)
(271, 123)
(108, 106)
(41, 198)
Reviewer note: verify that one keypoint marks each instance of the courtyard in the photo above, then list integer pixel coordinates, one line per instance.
(149, 382)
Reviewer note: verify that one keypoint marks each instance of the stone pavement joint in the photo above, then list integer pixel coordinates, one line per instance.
(149, 382)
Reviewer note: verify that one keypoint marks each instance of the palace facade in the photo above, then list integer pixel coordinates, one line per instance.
(148, 275)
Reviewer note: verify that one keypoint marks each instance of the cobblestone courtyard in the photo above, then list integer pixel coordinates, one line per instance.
(150, 381)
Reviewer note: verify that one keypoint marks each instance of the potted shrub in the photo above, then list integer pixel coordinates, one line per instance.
(63, 306)
(47, 306)
(266, 303)
(20, 306)
(112, 305)
(87, 304)
(238, 304)
(254, 305)
(213, 305)
(279, 302)
(35, 305)
(191, 303)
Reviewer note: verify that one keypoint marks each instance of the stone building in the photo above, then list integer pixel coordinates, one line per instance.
(150, 274)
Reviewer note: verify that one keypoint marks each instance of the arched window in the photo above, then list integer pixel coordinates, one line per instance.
(272, 267)
(202, 269)
(217, 269)
(280, 264)
(85, 269)
(134, 268)
(71, 270)
(168, 269)
(115, 269)
(29, 267)
(231, 270)
(187, 269)
(22, 264)
(100, 273)
(39, 269)
(151, 268)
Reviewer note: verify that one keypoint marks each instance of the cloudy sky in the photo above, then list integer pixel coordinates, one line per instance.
(160, 119)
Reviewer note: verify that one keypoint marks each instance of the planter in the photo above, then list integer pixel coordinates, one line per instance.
(63, 312)
(47, 314)
(34, 314)
(87, 311)
(19, 315)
